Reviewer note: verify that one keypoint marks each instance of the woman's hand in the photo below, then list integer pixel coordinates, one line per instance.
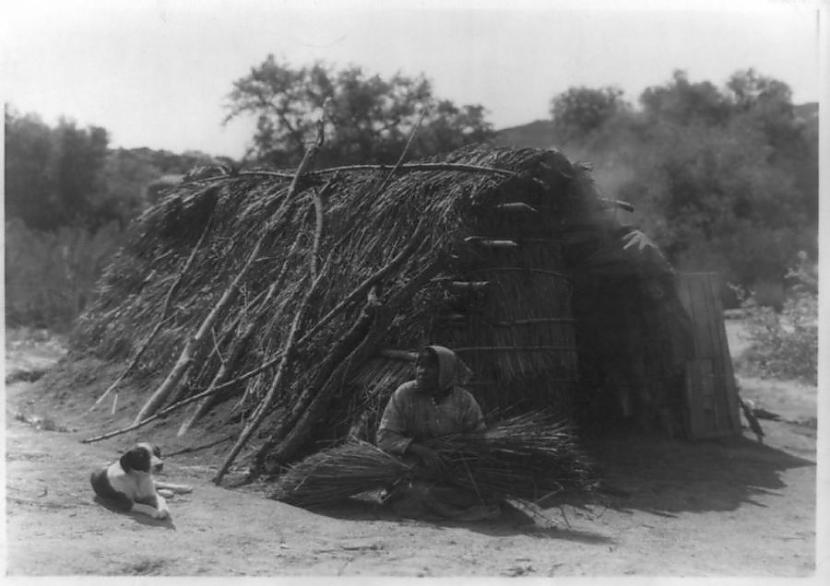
(428, 457)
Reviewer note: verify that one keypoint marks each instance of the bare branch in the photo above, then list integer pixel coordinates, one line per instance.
(162, 320)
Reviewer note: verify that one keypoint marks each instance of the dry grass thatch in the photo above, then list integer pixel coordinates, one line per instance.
(528, 457)
(307, 297)
(338, 473)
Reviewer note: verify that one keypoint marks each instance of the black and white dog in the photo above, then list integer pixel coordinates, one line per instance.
(128, 484)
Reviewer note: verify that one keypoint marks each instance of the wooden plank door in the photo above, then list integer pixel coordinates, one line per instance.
(711, 396)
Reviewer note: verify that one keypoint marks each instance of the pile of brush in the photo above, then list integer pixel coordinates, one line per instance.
(339, 473)
(528, 457)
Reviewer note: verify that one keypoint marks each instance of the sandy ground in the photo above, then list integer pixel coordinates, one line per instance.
(717, 508)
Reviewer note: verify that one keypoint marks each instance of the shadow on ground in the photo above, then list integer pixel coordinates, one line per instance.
(646, 473)
(139, 518)
(512, 521)
(667, 477)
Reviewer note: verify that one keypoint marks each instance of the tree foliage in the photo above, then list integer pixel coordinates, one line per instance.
(52, 175)
(50, 275)
(369, 118)
(785, 344)
(65, 175)
(685, 103)
(724, 179)
(580, 112)
(68, 198)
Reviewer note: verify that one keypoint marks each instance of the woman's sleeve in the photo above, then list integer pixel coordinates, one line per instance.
(473, 417)
(390, 436)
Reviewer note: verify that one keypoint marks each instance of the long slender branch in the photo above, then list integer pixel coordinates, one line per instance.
(262, 410)
(319, 217)
(197, 448)
(406, 148)
(413, 243)
(402, 169)
(162, 319)
(249, 330)
(186, 357)
(364, 337)
(239, 344)
(360, 290)
(332, 364)
(421, 167)
(305, 163)
(228, 334)
(356, 293)
(158, 415)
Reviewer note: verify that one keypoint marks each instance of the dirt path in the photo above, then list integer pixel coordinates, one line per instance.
(729, 508)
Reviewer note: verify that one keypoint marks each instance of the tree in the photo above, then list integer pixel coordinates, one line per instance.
(68, 198)
(724, 179)
(29, 191)
(52, 175)
(126, 175)
(370, 117)
(683, 102)
(77, 161)
(768, 103)
(748, 90)
(581, 112)
(710, 198)
(719, 174)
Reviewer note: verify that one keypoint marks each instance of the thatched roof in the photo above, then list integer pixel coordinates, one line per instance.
(358, 267)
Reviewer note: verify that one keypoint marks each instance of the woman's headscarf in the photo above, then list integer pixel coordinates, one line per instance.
(451, 369)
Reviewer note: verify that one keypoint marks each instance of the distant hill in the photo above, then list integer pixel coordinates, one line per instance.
(537, 134)
(808, 111)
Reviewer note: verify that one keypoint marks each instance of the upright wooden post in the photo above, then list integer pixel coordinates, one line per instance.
(711, 395)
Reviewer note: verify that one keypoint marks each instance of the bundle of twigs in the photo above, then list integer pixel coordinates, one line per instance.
(339, 473)
(528, 457)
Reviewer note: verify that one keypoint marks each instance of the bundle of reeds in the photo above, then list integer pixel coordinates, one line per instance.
(528, 457)
(339, 473)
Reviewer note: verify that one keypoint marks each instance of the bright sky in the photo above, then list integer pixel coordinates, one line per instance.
(156, 73)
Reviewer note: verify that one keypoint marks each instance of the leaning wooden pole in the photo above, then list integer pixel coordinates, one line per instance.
(333, 360)
(265, 405)
(161, 321)
(361, 289)
(262, 410)
(408, 168)
(157, 415)
(294, 424)
(186, 358)
(405, 151)
(317, 276)
(355, 348)
(241, 341)
(238, 345)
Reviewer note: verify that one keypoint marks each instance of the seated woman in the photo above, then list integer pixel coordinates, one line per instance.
(430, 406)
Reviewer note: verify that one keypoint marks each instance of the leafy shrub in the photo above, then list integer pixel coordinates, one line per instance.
(785, 344)
(769, 293)
(50, 275)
